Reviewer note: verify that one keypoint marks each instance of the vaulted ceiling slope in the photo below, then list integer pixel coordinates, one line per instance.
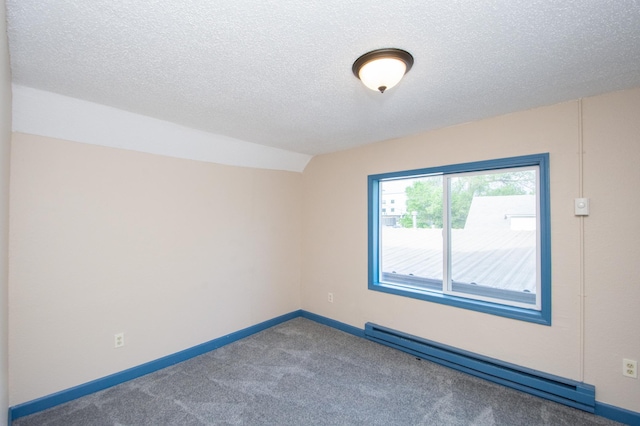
(278, 72)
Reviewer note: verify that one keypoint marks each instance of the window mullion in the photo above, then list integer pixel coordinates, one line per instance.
(446, 235)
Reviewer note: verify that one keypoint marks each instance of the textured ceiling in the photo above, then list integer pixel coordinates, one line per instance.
(278, 72)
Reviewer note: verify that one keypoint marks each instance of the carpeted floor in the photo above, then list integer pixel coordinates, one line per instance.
(303, 373)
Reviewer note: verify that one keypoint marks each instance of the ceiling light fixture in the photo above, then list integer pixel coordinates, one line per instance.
(383, 68)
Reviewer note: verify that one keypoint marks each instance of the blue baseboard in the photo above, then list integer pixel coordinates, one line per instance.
(333, 323)
(49, 401)
(617, 414)
(70, 394)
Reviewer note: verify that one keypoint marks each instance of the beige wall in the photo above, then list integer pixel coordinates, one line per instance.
(106, 241)
(586, 341)
(5, 144)
(612, 250)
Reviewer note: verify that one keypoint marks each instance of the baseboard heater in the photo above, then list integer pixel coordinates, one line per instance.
(554, 388)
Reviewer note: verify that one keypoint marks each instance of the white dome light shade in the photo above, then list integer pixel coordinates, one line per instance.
(382, 74)
(382, 69)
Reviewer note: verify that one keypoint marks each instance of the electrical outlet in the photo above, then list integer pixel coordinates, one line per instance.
(630, 368)
(118, 340)
(330, 297)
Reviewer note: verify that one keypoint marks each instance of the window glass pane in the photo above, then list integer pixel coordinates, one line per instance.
(411, 236)
(493, 234)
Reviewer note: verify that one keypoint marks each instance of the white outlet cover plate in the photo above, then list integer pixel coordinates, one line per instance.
(630, 368)
(118, 340)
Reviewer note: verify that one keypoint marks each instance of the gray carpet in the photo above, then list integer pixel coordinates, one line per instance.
(303, 373)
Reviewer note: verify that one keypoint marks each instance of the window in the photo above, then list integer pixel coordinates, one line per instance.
(473, 236)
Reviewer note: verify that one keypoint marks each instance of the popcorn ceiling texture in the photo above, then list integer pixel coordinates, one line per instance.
(278, 73)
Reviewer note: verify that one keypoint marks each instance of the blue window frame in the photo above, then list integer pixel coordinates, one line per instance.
(473, 236)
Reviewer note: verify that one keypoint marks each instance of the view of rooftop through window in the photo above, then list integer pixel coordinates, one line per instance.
(485, 240)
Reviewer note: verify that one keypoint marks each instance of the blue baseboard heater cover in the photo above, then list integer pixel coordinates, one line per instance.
(558, 389)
